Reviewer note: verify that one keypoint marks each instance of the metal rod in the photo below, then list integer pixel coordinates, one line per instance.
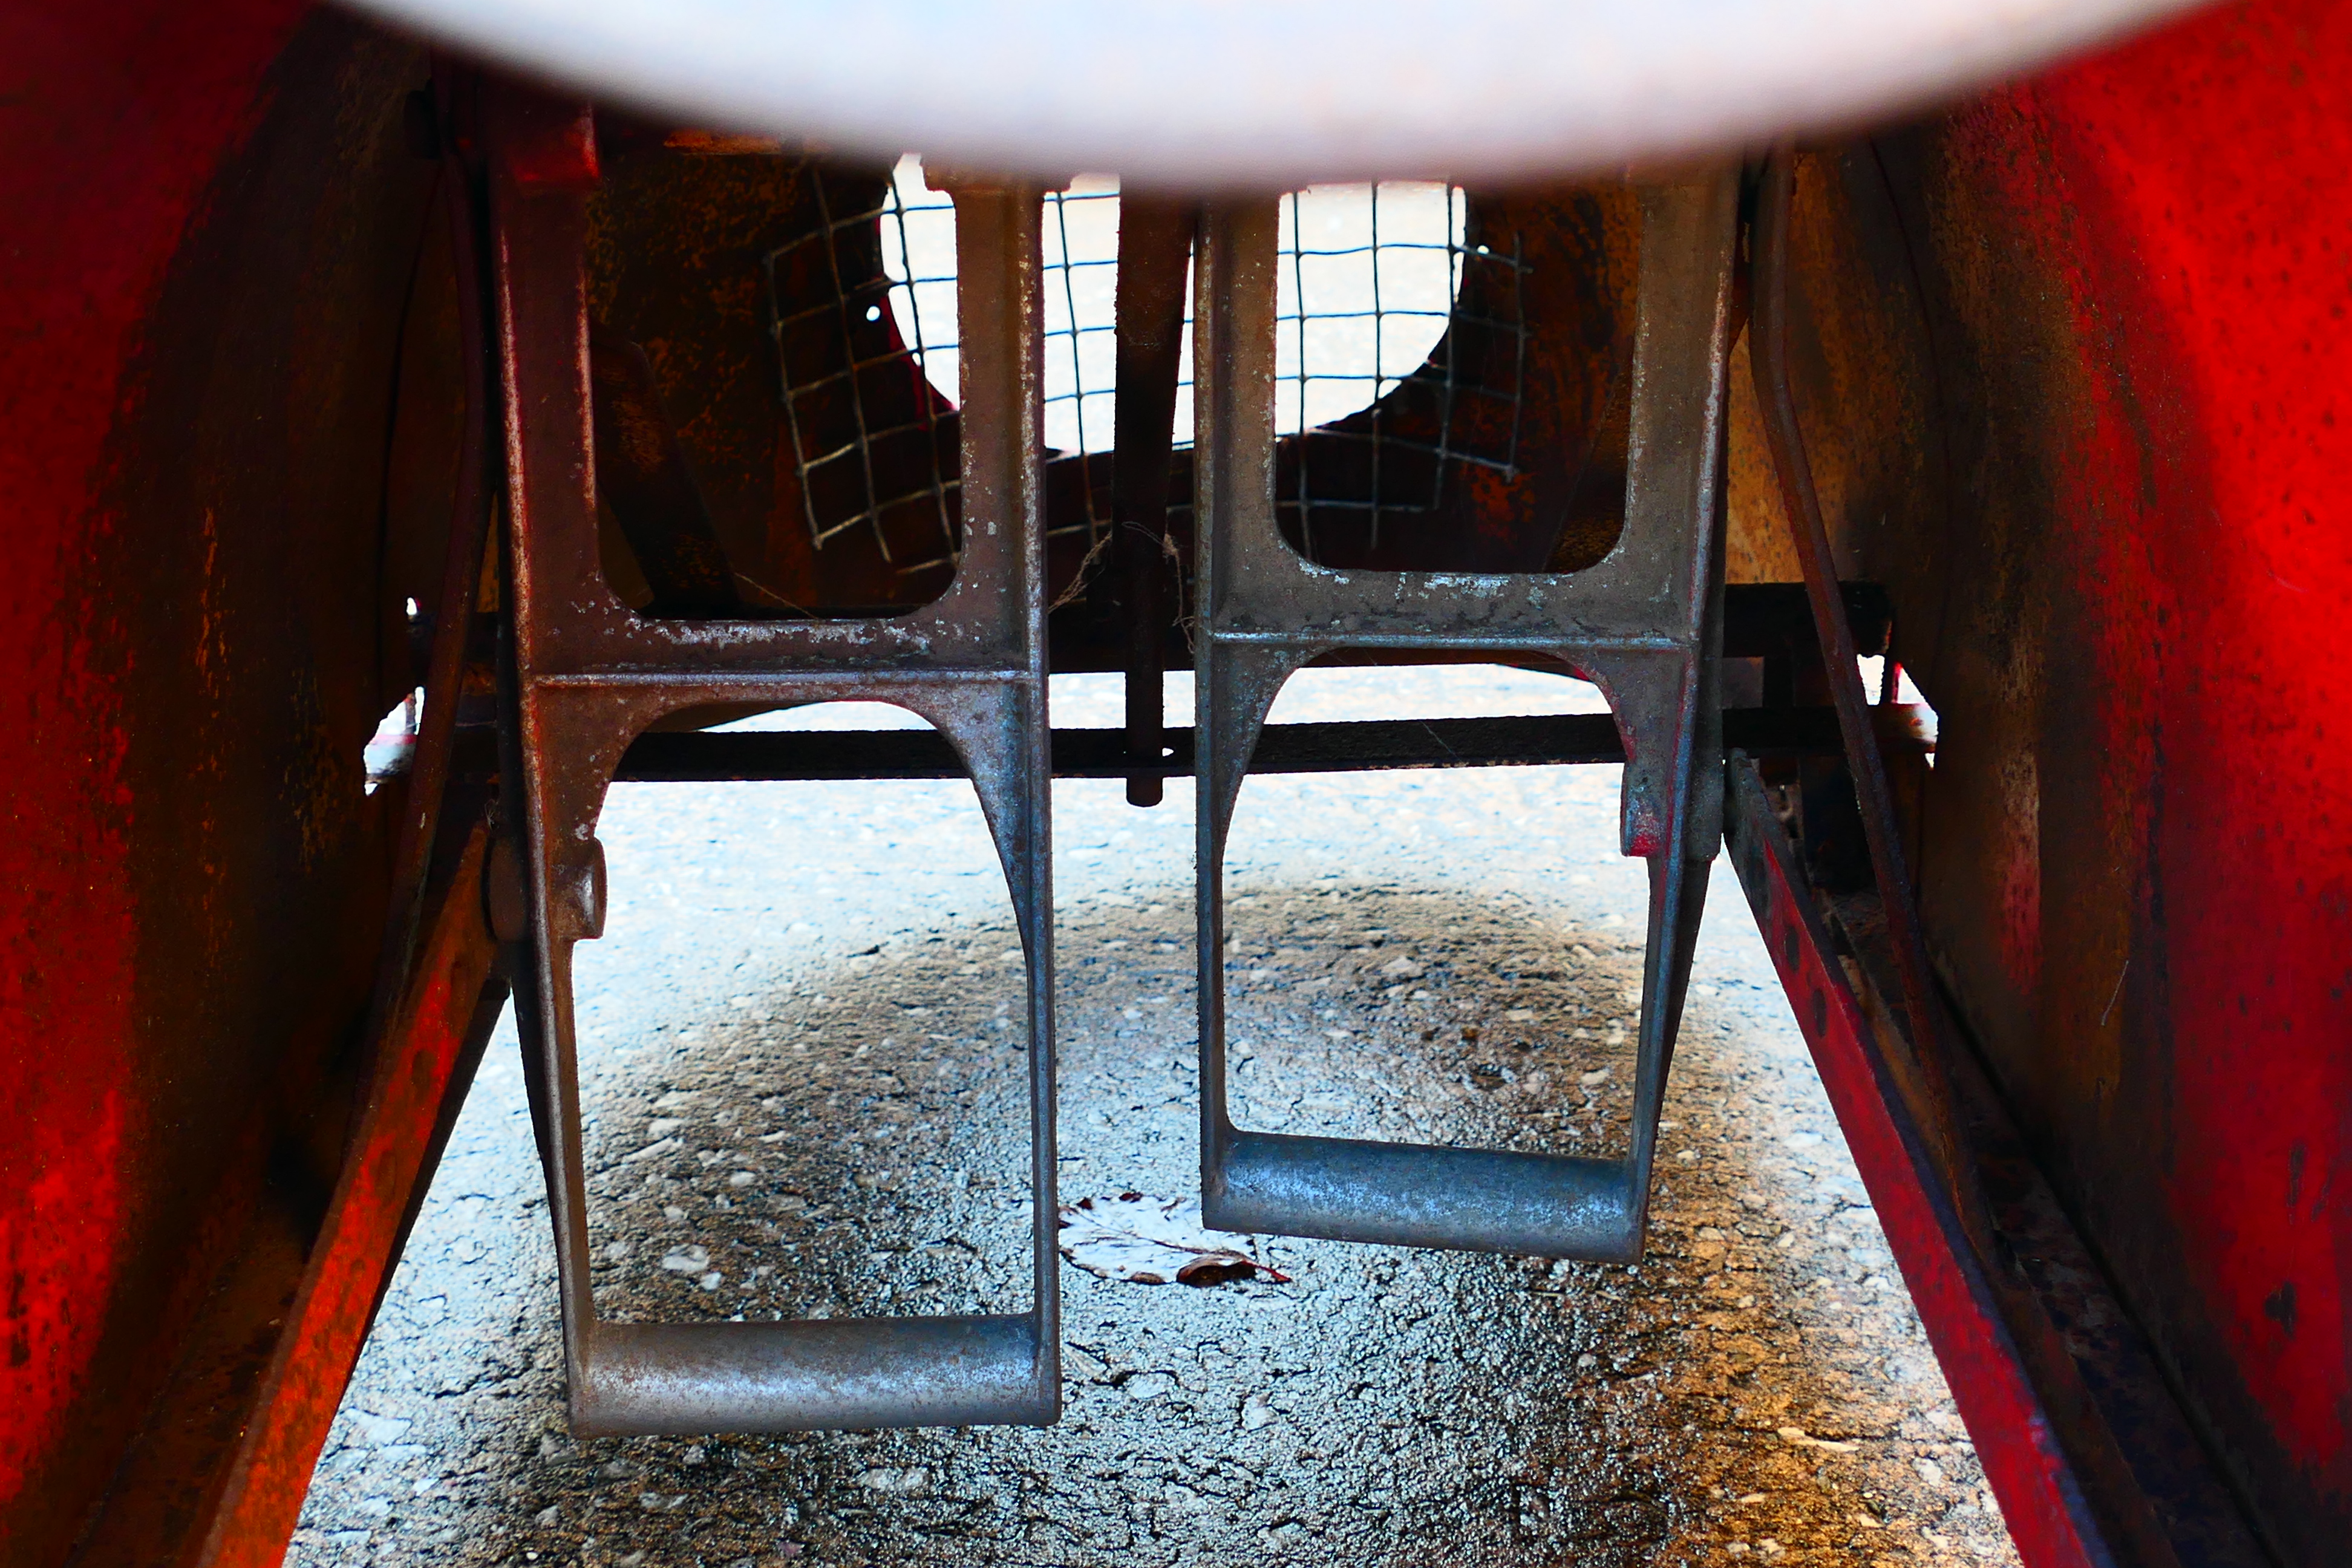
(1375, 745)
(1155, 243)
(461, 576)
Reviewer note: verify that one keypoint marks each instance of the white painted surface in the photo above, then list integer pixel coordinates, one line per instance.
(1279, 93)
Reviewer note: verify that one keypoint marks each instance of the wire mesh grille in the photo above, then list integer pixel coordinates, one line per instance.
(1387, 430)
(1081, 234)
(1402, 349)
(895, 476)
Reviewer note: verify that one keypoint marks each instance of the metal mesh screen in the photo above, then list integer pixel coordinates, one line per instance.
(895, 477)
(1405, 424)
(1402, 353)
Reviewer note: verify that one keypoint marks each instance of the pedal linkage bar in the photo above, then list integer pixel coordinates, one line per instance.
(1643, 625)
(589, 675)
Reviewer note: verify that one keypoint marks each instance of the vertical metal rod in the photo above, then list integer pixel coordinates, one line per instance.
(1303, 449)
(1380, 385)
(1155, 242)
(1001, 329)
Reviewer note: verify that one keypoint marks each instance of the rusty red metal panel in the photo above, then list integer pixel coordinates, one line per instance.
(2123, 554)
(2198, 203)
(2088, 1451)
(84, 110)
(215, 230)
(2210, 173)
(428, 1061)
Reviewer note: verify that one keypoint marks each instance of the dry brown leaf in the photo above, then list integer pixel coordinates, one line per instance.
(1151, 1241)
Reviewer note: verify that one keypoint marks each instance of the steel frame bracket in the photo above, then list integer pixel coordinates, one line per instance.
(1644, 625)
(589, 675)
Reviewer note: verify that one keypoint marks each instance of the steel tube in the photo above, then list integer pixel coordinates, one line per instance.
(1421, 1195)
(691, 1379)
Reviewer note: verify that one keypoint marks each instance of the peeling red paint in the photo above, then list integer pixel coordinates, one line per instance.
(359, 1244)
(2193, 192)
(55, 1235)
(140, 104)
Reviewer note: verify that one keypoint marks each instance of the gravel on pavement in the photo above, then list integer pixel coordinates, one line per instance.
(802, 1046)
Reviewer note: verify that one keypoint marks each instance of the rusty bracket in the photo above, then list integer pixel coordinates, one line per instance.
(1644, 625)
(1930, 1075)
(589, 675)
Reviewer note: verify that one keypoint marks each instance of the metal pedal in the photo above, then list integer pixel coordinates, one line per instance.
(1643, 625)
(589, 675)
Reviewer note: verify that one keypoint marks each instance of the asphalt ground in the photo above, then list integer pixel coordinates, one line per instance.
(802, 1045)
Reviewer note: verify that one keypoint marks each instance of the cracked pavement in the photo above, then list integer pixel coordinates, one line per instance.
(801, 1047)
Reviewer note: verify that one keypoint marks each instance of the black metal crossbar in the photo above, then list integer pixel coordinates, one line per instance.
(1548, 739)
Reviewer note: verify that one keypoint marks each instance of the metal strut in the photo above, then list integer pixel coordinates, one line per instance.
(1927, 1083)
(1644, 625)
(589, 675)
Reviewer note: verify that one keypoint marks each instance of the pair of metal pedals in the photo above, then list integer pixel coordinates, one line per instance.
(587, 675)
(1643, 625)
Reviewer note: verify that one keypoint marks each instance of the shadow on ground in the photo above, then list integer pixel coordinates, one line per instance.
(847, 1138)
